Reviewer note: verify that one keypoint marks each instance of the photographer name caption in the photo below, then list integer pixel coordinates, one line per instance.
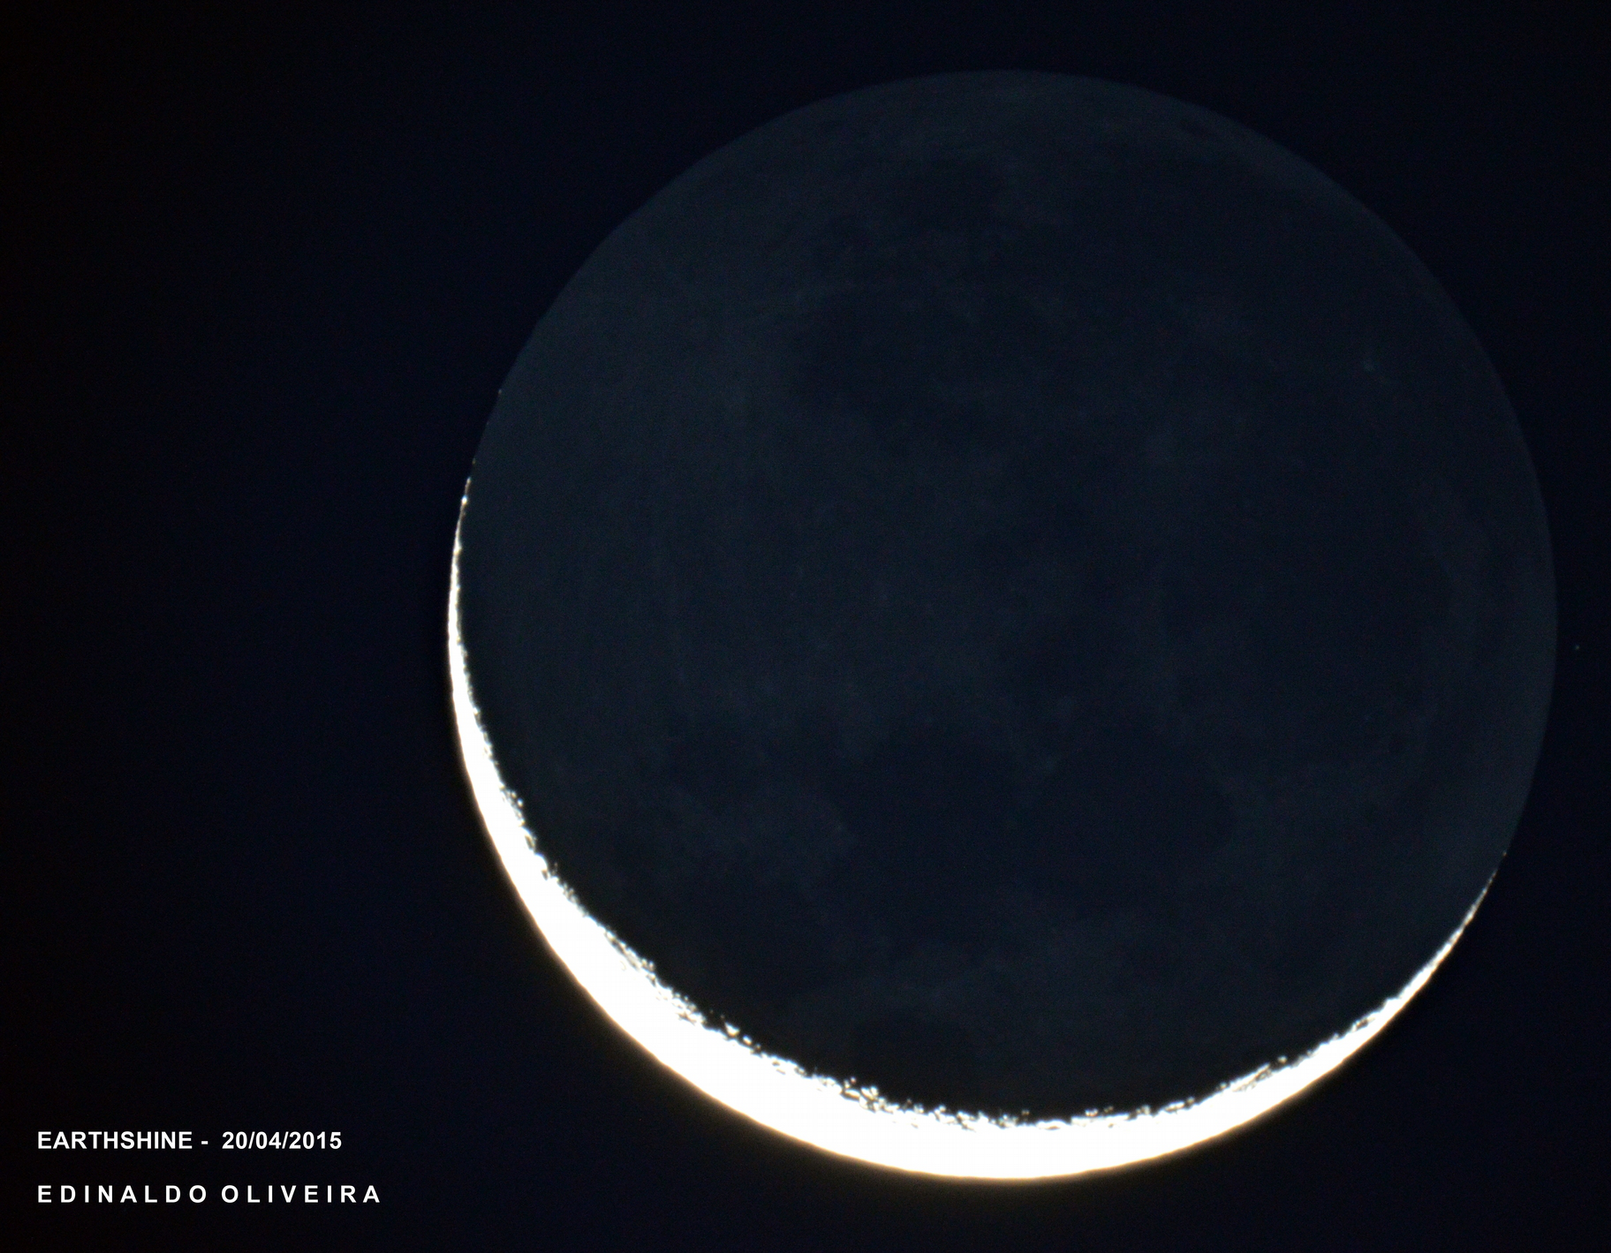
(83, 1193)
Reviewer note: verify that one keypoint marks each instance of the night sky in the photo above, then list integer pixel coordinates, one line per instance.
(264, 273)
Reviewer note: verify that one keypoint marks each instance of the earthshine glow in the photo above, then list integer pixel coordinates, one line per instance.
(853, 1122)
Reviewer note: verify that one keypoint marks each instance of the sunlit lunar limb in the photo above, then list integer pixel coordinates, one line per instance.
(823, 1112)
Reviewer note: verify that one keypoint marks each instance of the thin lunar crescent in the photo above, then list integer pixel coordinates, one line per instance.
(828, 1114)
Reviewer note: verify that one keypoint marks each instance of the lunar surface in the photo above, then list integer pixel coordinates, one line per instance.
(1001, 625)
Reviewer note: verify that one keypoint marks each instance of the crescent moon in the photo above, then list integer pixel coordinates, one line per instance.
(823, 1112)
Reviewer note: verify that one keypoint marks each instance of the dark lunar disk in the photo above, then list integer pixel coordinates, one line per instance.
(1015, 590)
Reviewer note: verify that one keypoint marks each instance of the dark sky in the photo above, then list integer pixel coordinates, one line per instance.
(264, 271)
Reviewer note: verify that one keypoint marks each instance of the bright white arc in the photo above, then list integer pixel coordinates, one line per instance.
(855, 1123)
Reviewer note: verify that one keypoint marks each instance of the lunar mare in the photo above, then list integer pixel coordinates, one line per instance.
(829, 1114)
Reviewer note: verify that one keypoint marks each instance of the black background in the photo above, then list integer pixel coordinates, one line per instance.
(264, 272)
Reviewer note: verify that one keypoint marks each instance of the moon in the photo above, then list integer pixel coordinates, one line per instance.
(1001, 626)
